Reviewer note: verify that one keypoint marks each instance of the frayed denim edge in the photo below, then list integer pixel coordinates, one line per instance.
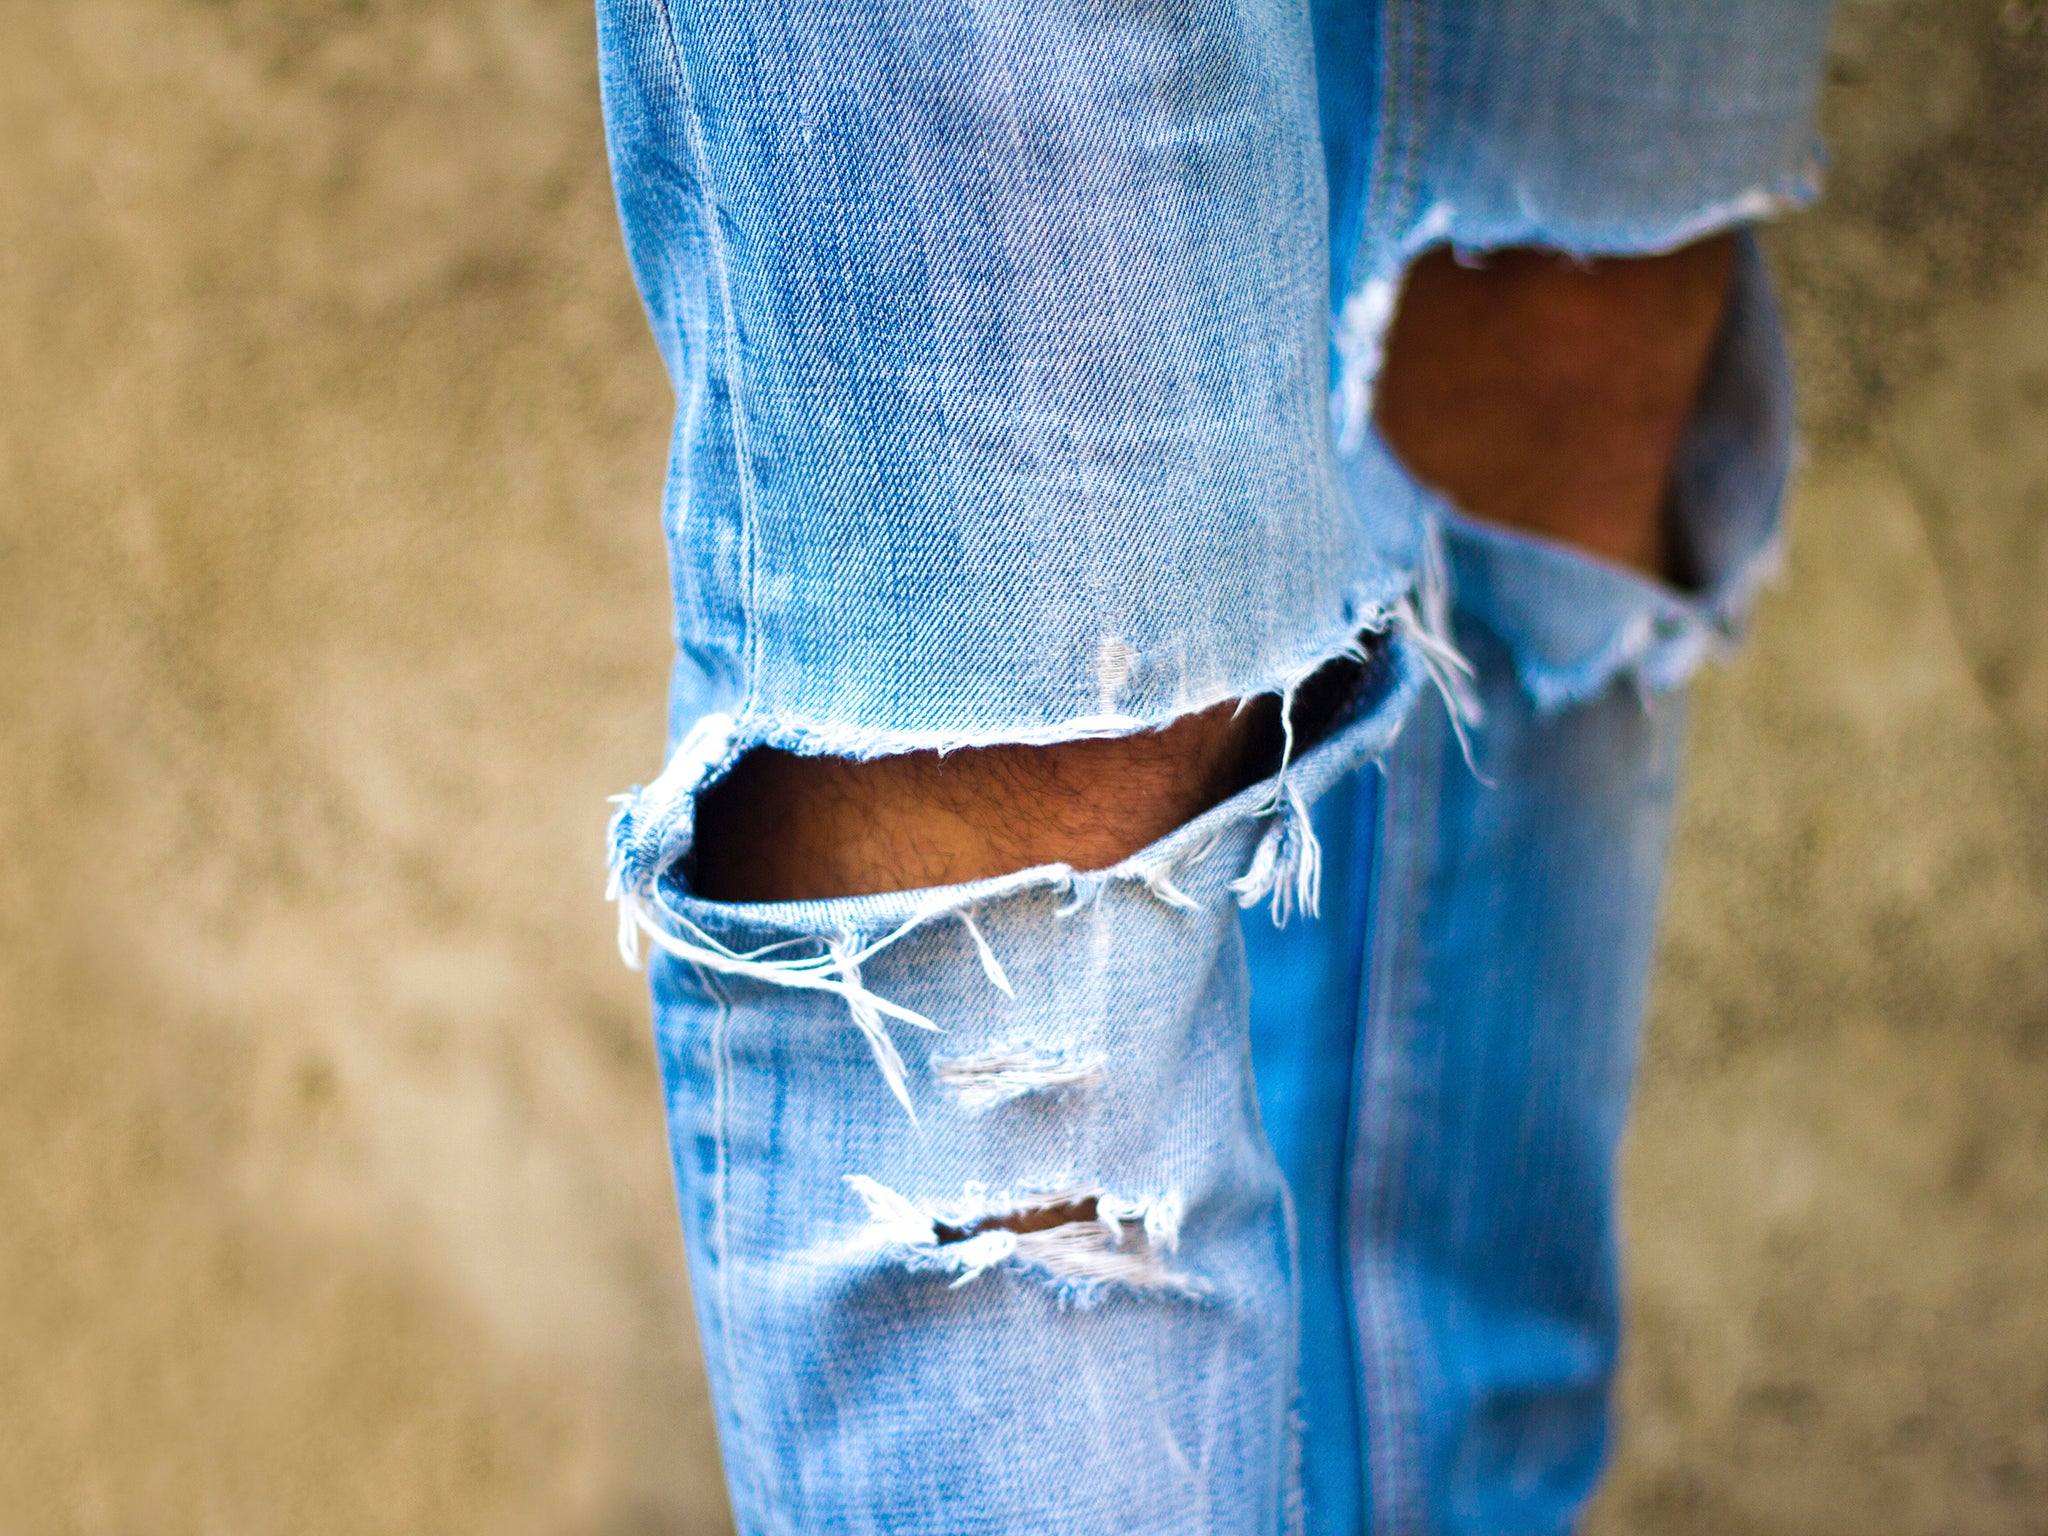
(1360, 329)
(823, 946)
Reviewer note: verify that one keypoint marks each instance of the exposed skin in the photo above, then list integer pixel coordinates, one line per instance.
(1550, 395)
(1533, 390)
(781, 827)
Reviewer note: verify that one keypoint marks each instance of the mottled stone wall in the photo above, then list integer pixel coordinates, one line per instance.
(332, 605)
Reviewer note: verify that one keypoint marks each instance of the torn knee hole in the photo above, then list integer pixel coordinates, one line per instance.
(1032, 1218)
(685, 823)
(1079, 1240)
(780, 826)
(1006, 1073)
(1551, 393)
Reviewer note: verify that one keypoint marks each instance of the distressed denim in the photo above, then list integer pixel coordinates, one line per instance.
(1023, 357)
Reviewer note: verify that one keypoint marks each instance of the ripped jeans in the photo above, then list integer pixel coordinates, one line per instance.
(1024, 357)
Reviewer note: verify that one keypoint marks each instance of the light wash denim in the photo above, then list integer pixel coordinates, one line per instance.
(1024, 356)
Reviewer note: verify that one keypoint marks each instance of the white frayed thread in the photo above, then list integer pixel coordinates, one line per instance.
(1161, 884)
(837, 971)
(1162, 880)
(1425, 619)
(703, 748)
(1287, 864)
(998, 1076)
(1123, 1245)
(1082, 891)
(1361, 348)
(652, 829)
(1159, 1218)
(863, 1005)
(991, 967)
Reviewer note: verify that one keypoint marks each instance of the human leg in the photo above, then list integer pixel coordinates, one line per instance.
(1001, 345)
(1464, 1032)
(1125, 1075)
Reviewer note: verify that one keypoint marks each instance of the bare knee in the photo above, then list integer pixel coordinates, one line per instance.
(1551, 394)
(783, 827)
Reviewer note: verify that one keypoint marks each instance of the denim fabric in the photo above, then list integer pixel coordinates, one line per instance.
(1633, 125)
(1444, 1058)
(872, 1377)
(1599, 126)
(1002, 338)
(1444, 1061)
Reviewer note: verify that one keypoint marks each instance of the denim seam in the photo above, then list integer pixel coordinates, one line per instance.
(1390, 195)
(714, 245)
(1293, 1494)
(1348, 1223)
(1367, 306)
(1405, 1475)
(721, 1079)
(1293, 1490)
(1407, 820)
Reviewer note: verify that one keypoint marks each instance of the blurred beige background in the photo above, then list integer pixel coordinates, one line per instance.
(332, 1189)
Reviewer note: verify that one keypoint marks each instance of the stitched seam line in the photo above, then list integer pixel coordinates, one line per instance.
(1408, 823)
(714, 244)
(1361, 1076)
(1390, 188)
(721, 1205)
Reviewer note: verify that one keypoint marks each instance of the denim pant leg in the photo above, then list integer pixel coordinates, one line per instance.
(1444, 1060)
(1002, 341)
(1000, 334)
(884, 1356)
